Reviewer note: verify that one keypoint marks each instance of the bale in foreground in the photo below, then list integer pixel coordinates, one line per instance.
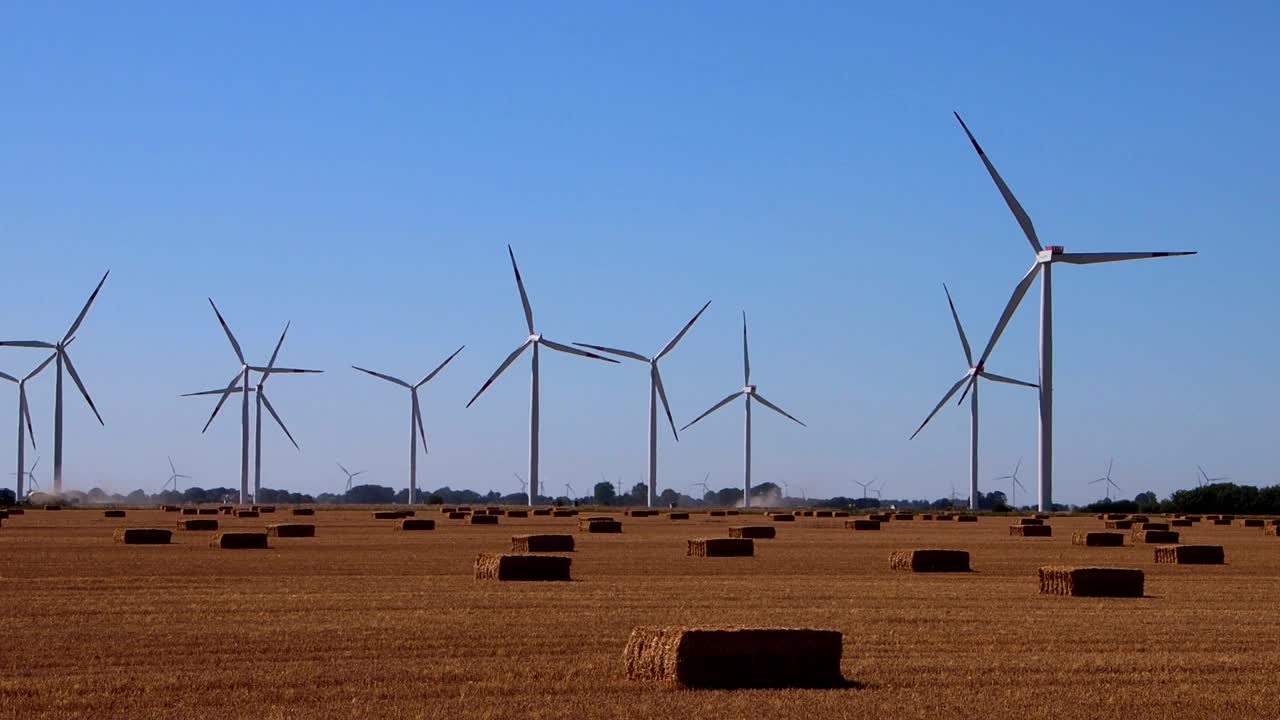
(484, 520)
(758, 532)
(735, 657)
(112, 513)
(292, 530)
(1091, 581)
(495, 566)
(1031, 530)
(198, 524)
(1155, 536)
(541, 543)
(721, 547)
(862, 524)
(600, 525)
(930, 560)
(1190, 554)
(1098, 539)
(240, 541)
(143, 536)
(415, 524)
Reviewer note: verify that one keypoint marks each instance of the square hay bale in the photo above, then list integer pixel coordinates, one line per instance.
(678, 516)
(265, 509)
(1114, 516)
(904, 516)
(1180, 522)
(1041, 516)
(1153, 537)
(292, 530)
(1220, 521)
(862, 524)
(930, 560)
(246, 513)
(1212, 517)
(303, 511)
(541, 511)
(966, 518)
(464, 508)
(240, 541)
(1031, 530)
(1119, 524)
(496, 566)
(1138, 518)
(734, 657)
(517, 513)
(807, 513)
(1098, 539)
(840, 514)
(756, 532)
(206, 511)
(198, 524)
(721, 547)
(447, 510)
(782, 518)
(541, 543)
(188, 511)
(1091, 581)
(1151, 526)
(227, 510)
(170, 508)
(600, 525)
(387, 515)
(4, 514)
(822, 513)
(52, 507)
(731, 512)
(879, 517)
(1028, 521)
(16, 511)
(493, 508)
(1271, 523)
(415, 524)
(1190, 554)
(457, 515)
(143, 536)
(563, 513)
(105, 513)
(1228, 518)
(1252, 522)
(926, 516)
(716, 513)
(1192, 518)
(484, 519)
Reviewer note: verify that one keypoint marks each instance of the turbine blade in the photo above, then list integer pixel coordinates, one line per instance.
(27, 344)
(344, 470)
(1024, 220)
(42, 366)
(662, 395)
(524, 297)
(388, 378)
(358, 472)
(71, 369)
(234, 344)
(505, 364)
(714, 408)
(575, 351)
(26, 412)
(614, 351)
(435, 372)
(746, 357)
(85, 310)
(968, 355)
(1014, 300)
(172, 469)
(417, 420)
(276, 352)
(9, 377)
(231, 386)
(279, 422)
(671, 345)
(280, 371)
(776, 409)
(938, 407)
(1003, 379)
(236, 389)
(1105, 257)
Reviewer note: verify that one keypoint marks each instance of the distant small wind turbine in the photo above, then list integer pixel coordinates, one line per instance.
(524, 484)
(1014, 485)
(30, 475)
(866, 486)
(1203, 478)
(173, 479)
(1107, 479)
(350, 476)
(569, 489)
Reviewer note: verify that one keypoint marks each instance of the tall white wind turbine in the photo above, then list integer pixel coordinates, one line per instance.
(63, 359)
(535, 341)
(174, 477)
(1046, 258)
(415, 419)
(240, 384)
(24, 422)
(972, 374)
(350, 476)
(749, 392)
(656, 392)
(1014, 485)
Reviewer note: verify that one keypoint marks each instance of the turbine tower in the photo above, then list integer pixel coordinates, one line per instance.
(749, 392)
(240, 384)
(1045, 259)
(535, 340)
(415, 418)
(173, 479)
(24, 421)
(973, 373)
(350, 476)
(63, 359)
(656, 391)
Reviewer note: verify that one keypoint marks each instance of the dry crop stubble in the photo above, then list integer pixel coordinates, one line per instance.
(363, 622)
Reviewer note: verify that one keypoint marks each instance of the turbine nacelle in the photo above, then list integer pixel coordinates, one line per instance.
(535, 338)
(749, 390)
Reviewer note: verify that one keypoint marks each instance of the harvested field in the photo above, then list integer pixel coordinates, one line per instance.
(1031, 530)
(1190, 554)
(862, 524)
(735, 657)
(1153, 537)
(928, 561)
(721, 547)
(495, 566)
(198, 524)
(239, 541)
(143, 536)
(1091, 581)
(1097, 539)
(363, 623)
(406, 524)
(291, 530)
(755, 532)
(541, 543)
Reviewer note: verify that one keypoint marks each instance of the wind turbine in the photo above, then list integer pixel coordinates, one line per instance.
(62, 358)
(705, 488)
(1045, 258)
(878, 490)
(536, 341)
(656, 391)
(24, 420)
(749, 392)
(415, 419)
(1202, 479)
(865, 487)
(1107, 479)
(30, 475)
(569, 491)
(240, 383)
(1014, 485)
(350, 476)
(173, 479)
(524, 484)
(973, 373)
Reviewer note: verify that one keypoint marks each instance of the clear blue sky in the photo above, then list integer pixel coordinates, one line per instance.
(359, 170)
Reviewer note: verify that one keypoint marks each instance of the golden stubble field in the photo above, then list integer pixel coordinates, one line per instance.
(364, 622)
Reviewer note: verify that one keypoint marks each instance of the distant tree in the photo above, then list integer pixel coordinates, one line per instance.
(137, 497)
(7, 497)
(710, 497)
(435, 499)
(729, 497)
(668, 496)
(1147, 502)
(766, 490)
(370, 495)
(604, 494)
(866, 503)
(97, 495)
